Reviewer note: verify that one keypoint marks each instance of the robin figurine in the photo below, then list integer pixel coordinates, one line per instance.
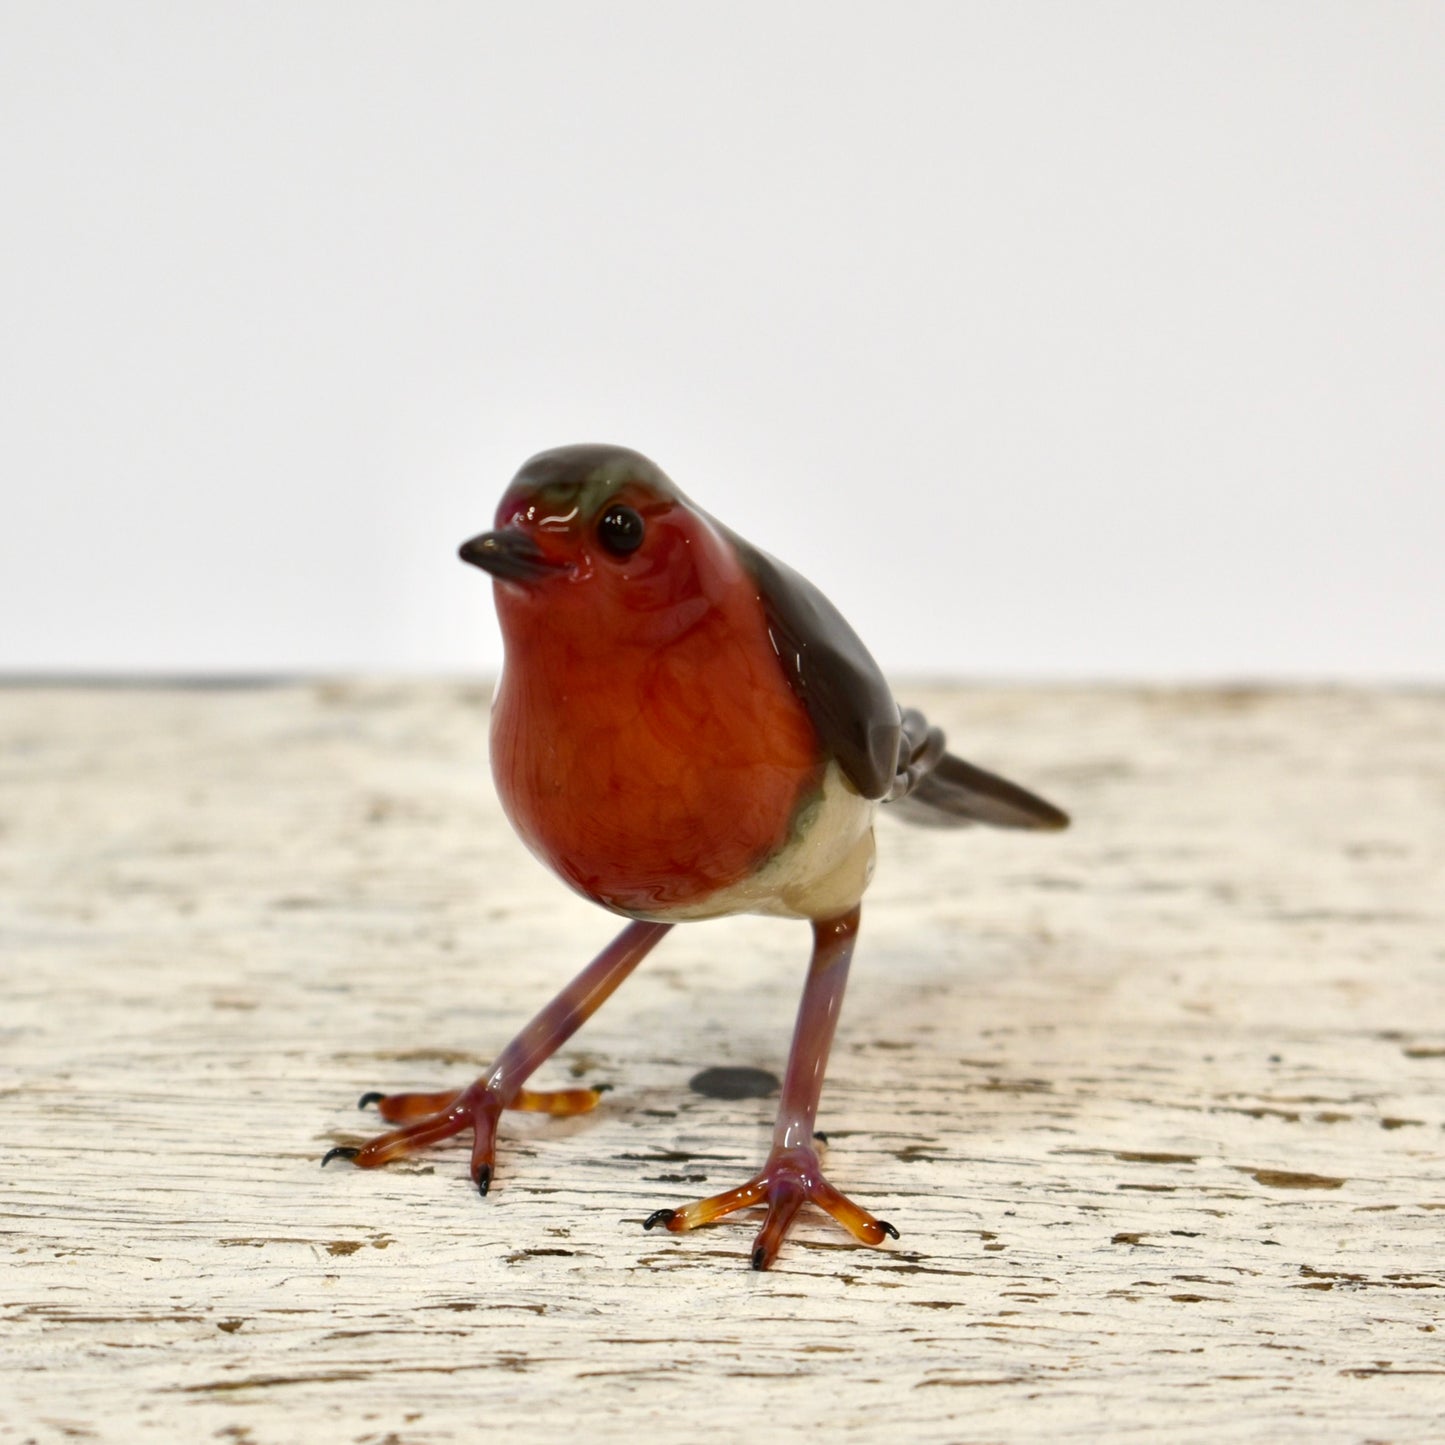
(686, 728)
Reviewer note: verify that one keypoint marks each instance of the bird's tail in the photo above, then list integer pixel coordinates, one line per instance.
(936, 789)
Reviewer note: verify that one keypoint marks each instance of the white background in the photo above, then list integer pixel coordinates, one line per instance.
(1050, 339)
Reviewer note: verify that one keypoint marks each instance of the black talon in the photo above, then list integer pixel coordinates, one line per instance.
(341, 1151)
(601, 1088)
(760, 1258)
(374, 1097)
(659, 1216)
(887, 1229)
(820, 1136)
(484, 1180)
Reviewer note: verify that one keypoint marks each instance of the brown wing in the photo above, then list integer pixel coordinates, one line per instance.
(832, 673)
(896, 757)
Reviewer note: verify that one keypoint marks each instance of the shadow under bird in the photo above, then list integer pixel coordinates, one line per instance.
(686, 728)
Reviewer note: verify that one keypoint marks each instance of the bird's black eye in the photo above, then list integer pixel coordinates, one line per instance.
(620, 530)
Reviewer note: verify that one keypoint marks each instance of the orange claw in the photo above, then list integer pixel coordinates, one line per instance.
(790, 1179)
(429, 1118)
(476, 1107)
(559, 1103)
(400, 1108)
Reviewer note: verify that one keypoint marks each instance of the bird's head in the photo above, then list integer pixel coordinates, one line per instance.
(594, 529)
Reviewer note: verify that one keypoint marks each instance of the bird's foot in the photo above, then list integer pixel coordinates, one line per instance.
(429, 1118)
(789, 1179)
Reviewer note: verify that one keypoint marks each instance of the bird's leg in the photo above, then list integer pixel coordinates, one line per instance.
(426, 1118)
(792, 1174)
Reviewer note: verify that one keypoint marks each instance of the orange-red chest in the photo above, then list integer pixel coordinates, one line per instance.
(649, 775)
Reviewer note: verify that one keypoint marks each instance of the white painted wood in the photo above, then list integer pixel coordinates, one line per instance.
(1157, 1104)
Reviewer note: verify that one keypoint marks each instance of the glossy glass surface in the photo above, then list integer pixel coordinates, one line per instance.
(645, 742)
(685, 728)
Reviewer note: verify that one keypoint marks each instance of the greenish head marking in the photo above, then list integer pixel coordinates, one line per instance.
(574, 484)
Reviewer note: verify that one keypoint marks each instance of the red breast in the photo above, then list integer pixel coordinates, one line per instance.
(645, 742)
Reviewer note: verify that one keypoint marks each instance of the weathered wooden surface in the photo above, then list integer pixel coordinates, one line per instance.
(1157, 1105)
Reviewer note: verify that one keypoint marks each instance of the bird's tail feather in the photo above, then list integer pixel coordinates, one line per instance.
(936, 789)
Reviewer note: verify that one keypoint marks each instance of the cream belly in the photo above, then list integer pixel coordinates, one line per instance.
(819, 873)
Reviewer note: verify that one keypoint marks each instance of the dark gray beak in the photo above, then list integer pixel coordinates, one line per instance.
(509, 554)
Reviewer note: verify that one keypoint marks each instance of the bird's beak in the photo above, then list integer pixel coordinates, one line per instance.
(509, 554)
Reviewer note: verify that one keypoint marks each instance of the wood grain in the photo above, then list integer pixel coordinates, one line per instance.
(1157, 1104)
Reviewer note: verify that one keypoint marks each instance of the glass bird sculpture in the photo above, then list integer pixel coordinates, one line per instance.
(686, 728)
